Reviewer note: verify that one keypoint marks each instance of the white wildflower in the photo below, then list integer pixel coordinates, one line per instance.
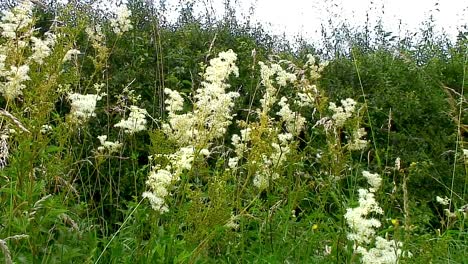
(342, 113)
(465, 153)
(260, 181)
(384, 252)
(111, 147)
(294, 121)
(46, 129)
(83, 106)
(157, 203)
(397, 163)
(357, 143)
(205, 152)
(42, 48)
(16, 20)
(4, 152)
(121, 23)
(232, 162)
(96, 36)
(232, 222)
(135, 122)
(72, 53)
(267, 73)
(174, 102)
(443, 201)
(373, 179)
(14, 85)
(364, 228)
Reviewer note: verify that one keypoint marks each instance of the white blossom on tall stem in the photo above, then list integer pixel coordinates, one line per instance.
(15, 79)
(16, 20)
(363, 228)
(42, 48)
(121, 23)
(343, 112)
(83, 106)
(196, 130)
(135, 122)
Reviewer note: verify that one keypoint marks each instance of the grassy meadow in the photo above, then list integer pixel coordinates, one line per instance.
(127, 138)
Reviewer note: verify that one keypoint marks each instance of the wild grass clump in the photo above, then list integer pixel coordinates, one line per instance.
(127, 139)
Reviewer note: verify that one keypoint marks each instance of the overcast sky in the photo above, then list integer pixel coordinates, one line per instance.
(304, 17)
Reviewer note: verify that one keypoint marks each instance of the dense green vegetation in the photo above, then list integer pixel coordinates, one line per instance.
(282, 192)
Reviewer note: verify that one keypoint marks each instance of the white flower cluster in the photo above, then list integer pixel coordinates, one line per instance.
(240, 146)
(443, 201)
(70, 54)
(342, 113)
(294, 121)
(111, 147)
(160, 180)
(97, 37)
(212, 107)
(267, 73)
(278, 144)
(357, 143)
(364, 228)
(15, 78)
(270, 163)
(305, 95)
(42, 48)
(17, 20)
(83, 106)
(384, 252)
(121, 23)
(135, 122)
(208, 121)
(315, 71)
(46, 129)
(16, 26)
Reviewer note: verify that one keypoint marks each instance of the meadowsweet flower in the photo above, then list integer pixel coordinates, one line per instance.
(157, 203)
(373, 179)
(443, 201)
(16, 20)
(267, 171)
(465, 153)
(294, 121)
(232, 222)
(357, 143)
(2, 64)
(232, 162)
(205, 152)
(266, 74)
(174, 102)
(364, 228)
(212, 107)
(42, 48)
(46, 129)
(135, 122)
(384, 252)
(305, 95)
(397, 163)
(15, 79)
(183, 159)
(343, 112)
(194, 131)
(72, 53)
(98, 40)
(121, 23)
(83, 106)
(111, 147)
